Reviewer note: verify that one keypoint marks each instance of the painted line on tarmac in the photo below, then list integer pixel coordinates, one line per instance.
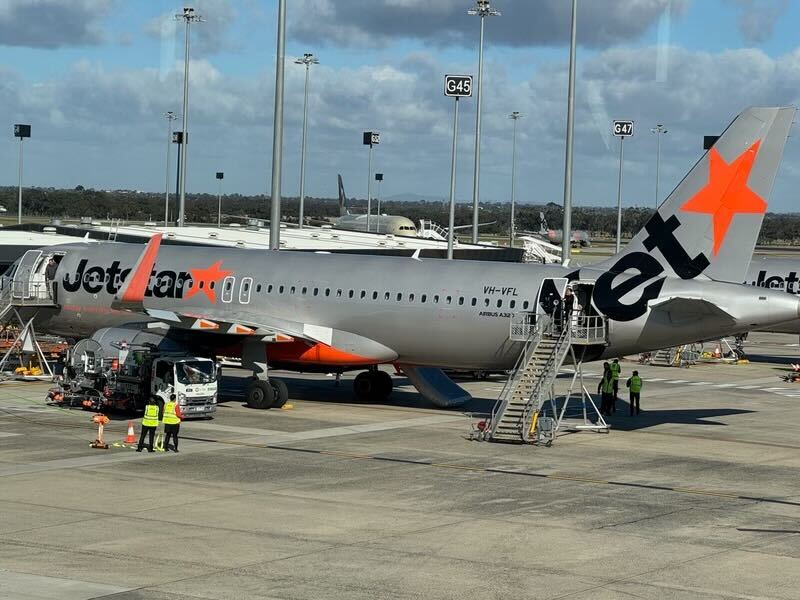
(503, 471)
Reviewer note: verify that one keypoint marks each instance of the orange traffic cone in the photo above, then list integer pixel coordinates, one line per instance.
(131, 437)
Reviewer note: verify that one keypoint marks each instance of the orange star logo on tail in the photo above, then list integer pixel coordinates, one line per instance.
(203, 278)
(726, 194)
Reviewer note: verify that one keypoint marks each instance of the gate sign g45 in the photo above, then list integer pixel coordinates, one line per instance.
(458, 86)
(623, 128)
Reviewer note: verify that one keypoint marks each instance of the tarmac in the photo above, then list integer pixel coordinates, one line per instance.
(696, 498)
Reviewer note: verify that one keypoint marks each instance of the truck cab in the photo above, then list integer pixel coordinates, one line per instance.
(193, 380)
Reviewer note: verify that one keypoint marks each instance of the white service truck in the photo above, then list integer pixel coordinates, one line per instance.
(104, 372)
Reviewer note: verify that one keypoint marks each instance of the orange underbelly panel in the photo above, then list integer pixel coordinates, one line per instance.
(318, 353)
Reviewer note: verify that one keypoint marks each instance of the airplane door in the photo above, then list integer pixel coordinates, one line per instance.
(550, 297)
(227, 288)
(21, 287)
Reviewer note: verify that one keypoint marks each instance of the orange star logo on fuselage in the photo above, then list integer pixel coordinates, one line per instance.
(726, 194)
(203, 278)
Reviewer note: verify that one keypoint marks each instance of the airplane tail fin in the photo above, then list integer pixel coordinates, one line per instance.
(342, 198)
(710, 222)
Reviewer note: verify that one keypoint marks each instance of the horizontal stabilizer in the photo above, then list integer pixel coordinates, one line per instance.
(436, 386)
(682, 310)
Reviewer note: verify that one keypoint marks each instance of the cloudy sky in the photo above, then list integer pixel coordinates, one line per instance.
(95, 77)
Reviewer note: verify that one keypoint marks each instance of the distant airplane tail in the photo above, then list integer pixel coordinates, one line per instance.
(542, 224)
(710, 222)
(342, 198)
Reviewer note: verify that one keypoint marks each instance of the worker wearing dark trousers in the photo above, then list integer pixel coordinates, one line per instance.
(635, 384)
(149, 425)
(615, 373)
(606, 388)
(172, 423)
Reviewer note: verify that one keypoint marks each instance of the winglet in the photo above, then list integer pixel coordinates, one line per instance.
(132, 293)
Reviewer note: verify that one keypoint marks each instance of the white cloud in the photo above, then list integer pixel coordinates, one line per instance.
(52, 23)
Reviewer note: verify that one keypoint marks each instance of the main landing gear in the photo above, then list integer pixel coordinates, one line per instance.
(372, 386)
(266, 393)
(262, 392)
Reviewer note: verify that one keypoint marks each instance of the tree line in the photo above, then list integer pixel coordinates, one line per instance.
(202, 208)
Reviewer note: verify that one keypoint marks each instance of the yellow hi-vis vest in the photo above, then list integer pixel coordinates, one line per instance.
(170, 418)
(615, 370)
(636, 384)
(150, 418)
(607, 385)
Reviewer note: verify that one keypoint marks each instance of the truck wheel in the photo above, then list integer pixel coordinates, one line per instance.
(260, 395)
(281, 392)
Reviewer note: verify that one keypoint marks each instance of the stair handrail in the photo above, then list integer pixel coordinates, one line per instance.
(549, 374)
(543, 322)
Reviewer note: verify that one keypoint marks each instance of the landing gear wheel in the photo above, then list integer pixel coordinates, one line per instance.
(373, 386)
(281, 392)
(260, 395)
(363, 385)
(382, 382)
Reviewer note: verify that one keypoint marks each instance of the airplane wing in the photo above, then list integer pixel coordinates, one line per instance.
(682, 309)
(236, 320)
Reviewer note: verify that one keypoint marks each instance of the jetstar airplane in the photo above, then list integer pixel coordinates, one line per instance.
(678, 281)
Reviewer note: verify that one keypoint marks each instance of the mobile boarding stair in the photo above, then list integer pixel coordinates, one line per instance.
(26, 291)
(529, 391)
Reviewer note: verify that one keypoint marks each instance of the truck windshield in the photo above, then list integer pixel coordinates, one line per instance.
(195, 371)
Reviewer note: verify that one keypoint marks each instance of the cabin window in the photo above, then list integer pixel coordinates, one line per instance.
(449, 300)
(351, 293)
(399, 296)
(411, 297)
(292, 290)
(512, 304)
(316, 291)
(258, 289)
(374, 295)
(525, 305)
(486, 302)
(386, 295)
(423, 298)
(363, 294)
(327, 291)
(304, 290)
(436, 298)
(499, 304)
(338, 293)
(460, 300)
(280, 290)
(474, 302)
(211, 285)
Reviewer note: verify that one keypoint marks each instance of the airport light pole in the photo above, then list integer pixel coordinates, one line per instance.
(170, 118)
(21, 131)
(621, 129)
(277, 132)
(177, 138)
(220, 176)
(370, 138)
(307, 60)
(566, 229)
(188, 15)
(659, 130)
(515, 116)
(482, 9)
(379, 179)
(455, 86)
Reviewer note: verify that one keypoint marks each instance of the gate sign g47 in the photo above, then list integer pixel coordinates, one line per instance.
(623, 128)
(458, 86)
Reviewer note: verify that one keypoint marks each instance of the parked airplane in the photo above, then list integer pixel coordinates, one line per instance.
(377, 223)
(777, 274)
(678, 281)
(578, 237)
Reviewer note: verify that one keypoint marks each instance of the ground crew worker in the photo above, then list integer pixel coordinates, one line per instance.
(606, 388)
(149, 424)
(635, 384)
(615, 373)
(172, 423)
